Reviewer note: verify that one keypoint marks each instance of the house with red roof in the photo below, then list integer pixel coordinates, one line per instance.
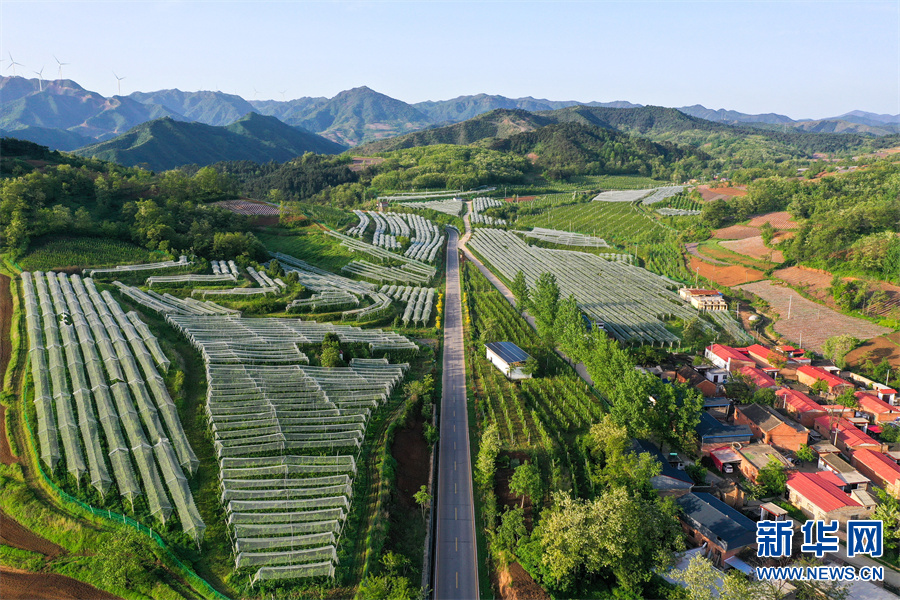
(885, 393)
(819, 496)
(849, 436)
(877, 409)
(881, 469)
(798, 355)
(758, 377)
(800, 406)
(808, 375)
(763, 358)
(726, 357)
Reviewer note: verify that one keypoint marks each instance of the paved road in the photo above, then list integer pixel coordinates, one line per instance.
(456, 561)
(501, 287)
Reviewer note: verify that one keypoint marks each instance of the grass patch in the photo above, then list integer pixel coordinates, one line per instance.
(712, 249)
(55, 252)
(311, 244)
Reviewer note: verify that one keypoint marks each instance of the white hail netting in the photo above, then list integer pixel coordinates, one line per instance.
(272, 416)
(114, 377)
(630, 301)
(182, 261)
(479, 205)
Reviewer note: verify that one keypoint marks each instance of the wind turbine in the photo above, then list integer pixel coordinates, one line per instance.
(255, 93)
(282, 94)
(13, 63)
(40, 75)
(119, 82)
(61, 65)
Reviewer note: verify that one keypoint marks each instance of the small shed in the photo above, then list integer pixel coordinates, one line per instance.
(509, 358)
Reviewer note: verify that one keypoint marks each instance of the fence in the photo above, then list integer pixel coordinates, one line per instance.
(195, 580)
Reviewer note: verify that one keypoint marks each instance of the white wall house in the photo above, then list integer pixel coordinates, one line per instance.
(509, 358)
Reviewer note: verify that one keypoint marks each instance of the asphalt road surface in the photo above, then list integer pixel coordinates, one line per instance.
(456, 561)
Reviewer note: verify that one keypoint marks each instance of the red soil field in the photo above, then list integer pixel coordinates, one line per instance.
(15, 535)
(516, 584)
(779, 220)
(735, 232)
(885, 347)
(22, 585)
(728, 276)
(754, 247)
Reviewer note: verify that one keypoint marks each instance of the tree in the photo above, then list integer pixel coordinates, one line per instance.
(488, 450)
(888, 511)
(818, 589)
(765, 396)
(772, 478)
(819, 386)
(836, 348)
(695, 334)
(806, 454)
(519, 289)
(511, 530)
(394, 562)
(675, 414)
(569, 327)
(704, 581)
(386, 587)
(422, 498)
(544, 304)
(615, 463)
(526, 481)
(627, 537)
(330, 357)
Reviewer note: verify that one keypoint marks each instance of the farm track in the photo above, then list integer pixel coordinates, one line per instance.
(6, 308)
(693, 249)
(12, 533)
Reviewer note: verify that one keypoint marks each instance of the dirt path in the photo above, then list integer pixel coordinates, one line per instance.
(12, 533)
(22, 585)
(691, 247)
(6, 455)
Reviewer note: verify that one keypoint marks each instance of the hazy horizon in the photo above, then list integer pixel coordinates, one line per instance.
(800, 59)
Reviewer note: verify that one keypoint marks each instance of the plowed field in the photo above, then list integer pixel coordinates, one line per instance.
(22, 585)
(779, 220)
(885, 347)
(811, 321)
(735, 232)
(729, 276)
(754, 247)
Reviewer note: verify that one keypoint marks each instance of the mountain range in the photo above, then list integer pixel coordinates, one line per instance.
(65, 116)
(166, 143)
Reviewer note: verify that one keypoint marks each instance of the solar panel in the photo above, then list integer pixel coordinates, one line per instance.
(508, 352)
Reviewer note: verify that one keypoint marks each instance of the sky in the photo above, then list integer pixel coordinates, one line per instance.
(802, 59)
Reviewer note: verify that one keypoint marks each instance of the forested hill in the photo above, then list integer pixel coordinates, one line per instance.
(165, 143)
(48, 193)
(566, 149)
(499, 123)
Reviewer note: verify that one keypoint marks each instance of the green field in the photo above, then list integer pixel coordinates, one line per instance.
(76, 252)
(310, 244)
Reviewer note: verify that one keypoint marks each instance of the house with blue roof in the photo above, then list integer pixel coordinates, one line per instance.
(509, 358)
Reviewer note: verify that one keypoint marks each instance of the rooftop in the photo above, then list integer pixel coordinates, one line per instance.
(799, 401)
(717, 521)
(667, 469)
(727, 352)
(822, 489)
(758, 377)
(711, 430)
(880, 464)
(767, 418)
(872, 404)
(831, 379)
(760, 454)
(508, 352)
(848, 433)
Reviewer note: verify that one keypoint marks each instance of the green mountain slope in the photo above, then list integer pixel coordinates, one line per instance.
(212, 108)
(63, 104)
(166, 143)
(356, 116)
(58, 139)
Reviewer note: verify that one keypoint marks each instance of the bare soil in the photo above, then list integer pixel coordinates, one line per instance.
(728, 276)
(885, 347)
(811, 321)
(6, 455)
(755, 248)
(411, 453)
(735, 232)
(778, 220)
(505, 496)
(14, 534)
(516, 584)
(22, 585)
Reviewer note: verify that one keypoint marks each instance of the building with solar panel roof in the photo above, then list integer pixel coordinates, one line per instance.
(509, 358)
